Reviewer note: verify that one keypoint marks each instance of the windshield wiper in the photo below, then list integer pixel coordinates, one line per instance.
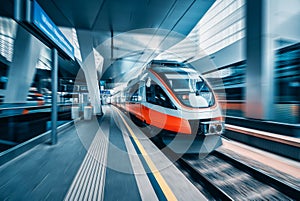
(199, 87)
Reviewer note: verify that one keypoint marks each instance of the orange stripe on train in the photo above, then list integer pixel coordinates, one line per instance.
(159, 119)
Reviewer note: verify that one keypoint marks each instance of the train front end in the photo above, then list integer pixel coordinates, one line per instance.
(202, 123)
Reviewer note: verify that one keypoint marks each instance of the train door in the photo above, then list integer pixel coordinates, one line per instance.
(142, 100)
(134, 106)
(142, 93)
(141, 97)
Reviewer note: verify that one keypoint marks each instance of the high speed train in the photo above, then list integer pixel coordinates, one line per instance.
(177, 104)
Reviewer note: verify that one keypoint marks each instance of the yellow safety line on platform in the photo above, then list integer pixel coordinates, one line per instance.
(160, 180)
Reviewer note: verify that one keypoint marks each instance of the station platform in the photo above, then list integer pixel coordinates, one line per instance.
(107, 158)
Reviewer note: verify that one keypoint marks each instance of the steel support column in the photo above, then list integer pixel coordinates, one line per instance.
(54, 77)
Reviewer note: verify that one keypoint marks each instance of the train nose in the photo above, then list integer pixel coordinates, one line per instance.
(207, 127)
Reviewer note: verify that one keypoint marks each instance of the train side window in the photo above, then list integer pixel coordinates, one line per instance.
(134, 96)
(156, 95)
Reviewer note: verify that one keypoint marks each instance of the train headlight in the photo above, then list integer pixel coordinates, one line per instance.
(216, 127)
(219, 128)
(212, 128)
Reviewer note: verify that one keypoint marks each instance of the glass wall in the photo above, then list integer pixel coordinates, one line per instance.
(25, 86)
(287, 83)
(222, 25)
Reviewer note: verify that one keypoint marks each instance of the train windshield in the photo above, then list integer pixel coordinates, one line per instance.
(189, 88)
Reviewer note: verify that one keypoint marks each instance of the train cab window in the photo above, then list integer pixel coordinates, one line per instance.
(156, 95)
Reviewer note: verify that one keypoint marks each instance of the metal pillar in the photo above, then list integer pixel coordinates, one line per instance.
(54, 77)
(22, 69)
(89, 68)
(260, 61)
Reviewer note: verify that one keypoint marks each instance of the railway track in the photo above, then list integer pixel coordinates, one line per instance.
(225, 178)
(222, 177)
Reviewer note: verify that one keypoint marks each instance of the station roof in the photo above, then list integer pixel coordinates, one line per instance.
(120, 16)
(117, 16)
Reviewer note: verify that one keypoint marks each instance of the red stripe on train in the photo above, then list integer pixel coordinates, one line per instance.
(159, 119)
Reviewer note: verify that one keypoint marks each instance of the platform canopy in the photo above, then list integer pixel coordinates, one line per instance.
(107, 18)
